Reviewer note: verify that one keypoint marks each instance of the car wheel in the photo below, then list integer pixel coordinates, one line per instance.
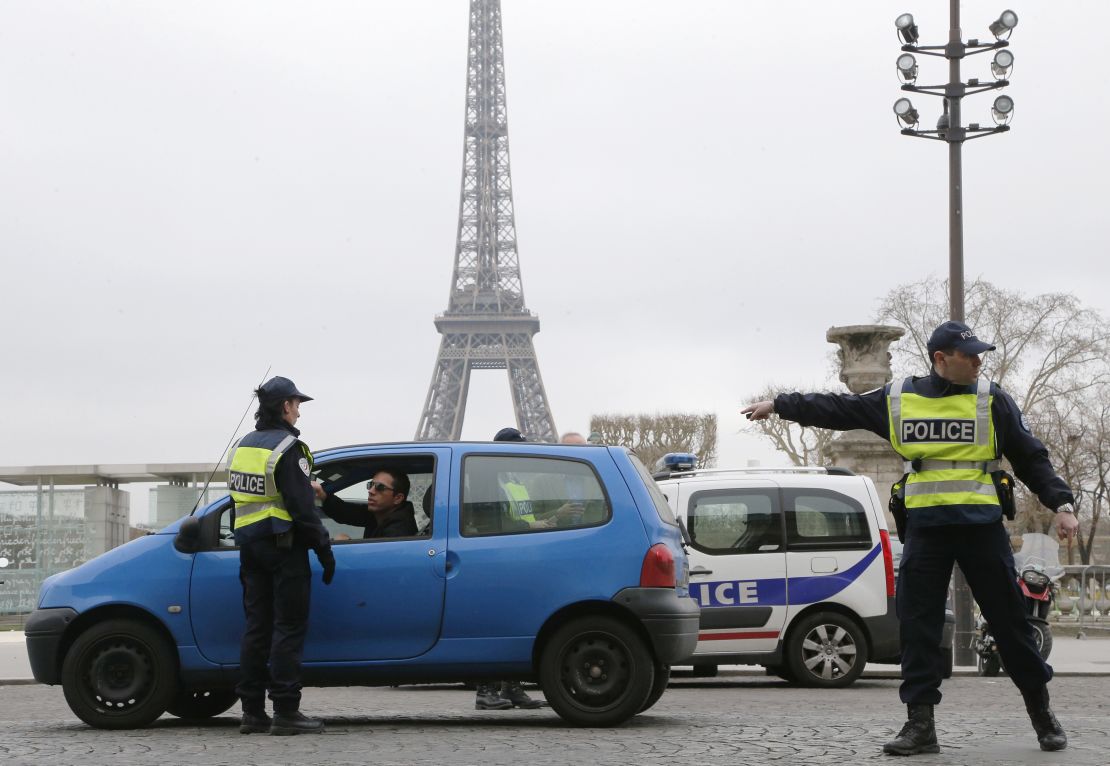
(705, 671)
(201, 703)
(658, 686)
(826, 649)
(988, 666)
(119, 674)
(1042, 637)
(596, 671)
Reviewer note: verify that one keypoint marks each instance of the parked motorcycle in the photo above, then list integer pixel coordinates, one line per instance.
(1039, 582)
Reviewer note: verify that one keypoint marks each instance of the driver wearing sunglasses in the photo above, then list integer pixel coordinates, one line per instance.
(387, 513)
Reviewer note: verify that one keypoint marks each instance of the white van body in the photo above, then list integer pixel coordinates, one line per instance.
(792, 568)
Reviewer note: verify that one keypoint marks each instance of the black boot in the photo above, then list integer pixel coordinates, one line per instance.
(489, 698)
(514, 693)
(254, 723)
(286, 724)
(1050, 734)
(919, 735)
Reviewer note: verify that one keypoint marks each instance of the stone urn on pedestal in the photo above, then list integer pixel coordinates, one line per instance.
(864, 366)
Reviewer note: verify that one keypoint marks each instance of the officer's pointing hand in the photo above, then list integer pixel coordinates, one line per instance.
(759, 410)
(327, 561)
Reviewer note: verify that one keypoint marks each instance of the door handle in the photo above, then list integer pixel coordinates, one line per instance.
(700, 571)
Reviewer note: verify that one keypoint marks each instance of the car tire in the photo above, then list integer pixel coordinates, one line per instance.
(826, 650)
(195, 704)
(658, 686)
(119, 674)
(596, 671)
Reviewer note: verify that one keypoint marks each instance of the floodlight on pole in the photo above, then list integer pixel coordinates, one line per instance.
(1002, 110)
(907, 30)
(904, 111)
(1004, 25)
(1002, 64)
(907, 67)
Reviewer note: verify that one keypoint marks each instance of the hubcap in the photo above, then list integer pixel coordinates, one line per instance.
(595, 670)
(829, 652)
(119, 673)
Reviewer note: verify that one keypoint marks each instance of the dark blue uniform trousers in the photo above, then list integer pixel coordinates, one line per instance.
(983, 553)
(276, 583)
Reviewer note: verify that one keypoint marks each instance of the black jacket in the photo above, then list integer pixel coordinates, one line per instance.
(401, 522)
(842, 412)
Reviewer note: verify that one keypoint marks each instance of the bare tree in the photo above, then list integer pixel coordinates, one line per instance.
(804, 445)
(652, 436)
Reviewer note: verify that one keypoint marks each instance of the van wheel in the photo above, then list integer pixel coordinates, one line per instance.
(826, 649)
(659, 685)
(596, 671)
(201, 703)
(119, 674)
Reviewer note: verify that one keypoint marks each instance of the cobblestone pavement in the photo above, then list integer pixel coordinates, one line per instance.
(732, 719)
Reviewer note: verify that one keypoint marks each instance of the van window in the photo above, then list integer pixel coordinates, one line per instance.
(506, 495)
(822, 519)
(735, 521)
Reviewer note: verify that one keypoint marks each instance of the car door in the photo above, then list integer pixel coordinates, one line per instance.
(737, 564)
(386, 601)
(830, 552)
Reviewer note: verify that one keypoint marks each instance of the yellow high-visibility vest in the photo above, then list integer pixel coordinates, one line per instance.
(520, 504)
(949, 445)
(251, 479)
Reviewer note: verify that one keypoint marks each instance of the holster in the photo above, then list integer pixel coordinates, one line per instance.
(1004, 486)
(897, 506)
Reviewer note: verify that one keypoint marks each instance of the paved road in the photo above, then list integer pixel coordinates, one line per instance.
(731, 719)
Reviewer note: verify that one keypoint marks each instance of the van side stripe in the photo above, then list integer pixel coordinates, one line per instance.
(774, 591)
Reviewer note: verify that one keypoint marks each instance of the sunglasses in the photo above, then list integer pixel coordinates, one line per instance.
(372, 485)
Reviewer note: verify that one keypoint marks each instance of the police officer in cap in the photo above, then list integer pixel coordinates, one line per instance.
(275, 526)
(952, 430)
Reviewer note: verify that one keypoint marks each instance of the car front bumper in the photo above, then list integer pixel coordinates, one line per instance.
(43, 631)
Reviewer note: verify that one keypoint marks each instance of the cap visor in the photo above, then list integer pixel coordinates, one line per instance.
(975, 347)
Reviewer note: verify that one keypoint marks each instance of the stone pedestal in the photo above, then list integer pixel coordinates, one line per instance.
(864, 366)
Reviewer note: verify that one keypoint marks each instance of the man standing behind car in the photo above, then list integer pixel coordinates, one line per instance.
(952, 428)
(275, 526)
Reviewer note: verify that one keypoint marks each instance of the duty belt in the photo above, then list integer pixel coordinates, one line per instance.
(922, 464)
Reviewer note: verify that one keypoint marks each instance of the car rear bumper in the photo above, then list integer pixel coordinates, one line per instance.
(43, 630)
(671, 621)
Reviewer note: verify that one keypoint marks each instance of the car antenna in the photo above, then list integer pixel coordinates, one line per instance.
(216, 467)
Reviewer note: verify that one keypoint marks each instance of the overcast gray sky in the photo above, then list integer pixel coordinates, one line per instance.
(192, 192)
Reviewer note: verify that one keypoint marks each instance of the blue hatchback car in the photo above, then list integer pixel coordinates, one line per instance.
(582, 588)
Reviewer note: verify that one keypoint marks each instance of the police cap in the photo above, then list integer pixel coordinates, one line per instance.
(509, 435)
(278, 389)
(957, 336)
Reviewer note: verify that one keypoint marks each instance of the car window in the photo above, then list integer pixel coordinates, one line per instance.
(735, 521)
(511, 494)
(822, 519)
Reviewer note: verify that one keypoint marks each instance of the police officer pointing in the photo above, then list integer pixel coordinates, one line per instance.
(275, 526)
(952, 430)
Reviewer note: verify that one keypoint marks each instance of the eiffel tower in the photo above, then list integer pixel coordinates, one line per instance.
(486, 326)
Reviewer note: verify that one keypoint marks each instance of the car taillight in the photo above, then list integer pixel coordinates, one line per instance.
(658, 568)
(888, 562)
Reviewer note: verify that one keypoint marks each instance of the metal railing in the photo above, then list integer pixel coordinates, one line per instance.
(1083, 598)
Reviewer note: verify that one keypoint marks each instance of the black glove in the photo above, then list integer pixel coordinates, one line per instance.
(327, 561)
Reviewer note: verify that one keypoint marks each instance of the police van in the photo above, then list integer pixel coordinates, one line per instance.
(793, 569)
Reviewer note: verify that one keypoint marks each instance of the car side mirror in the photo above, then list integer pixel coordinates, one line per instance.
(187, 539)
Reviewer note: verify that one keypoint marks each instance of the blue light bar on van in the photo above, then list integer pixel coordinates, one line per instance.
(677, 461)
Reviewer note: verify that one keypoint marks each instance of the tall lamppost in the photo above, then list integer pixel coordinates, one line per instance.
(950, 128)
